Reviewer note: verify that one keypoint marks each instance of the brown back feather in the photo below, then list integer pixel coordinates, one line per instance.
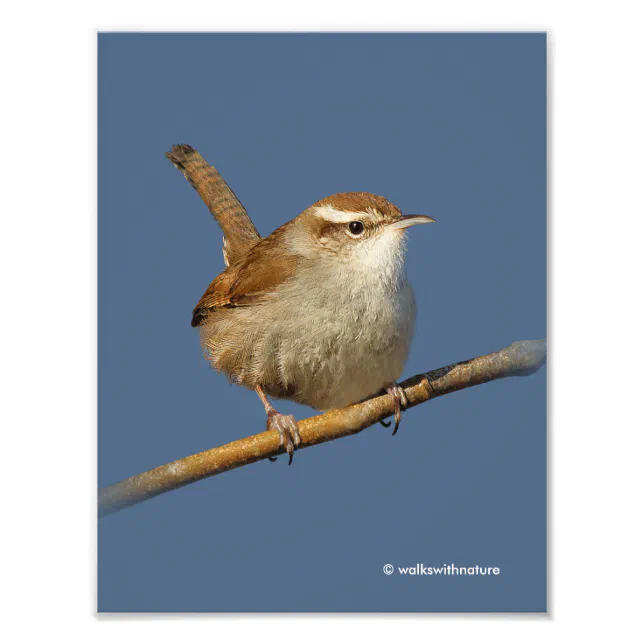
(266, 266)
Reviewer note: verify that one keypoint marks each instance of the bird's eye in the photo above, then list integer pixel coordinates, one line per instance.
(356, 227)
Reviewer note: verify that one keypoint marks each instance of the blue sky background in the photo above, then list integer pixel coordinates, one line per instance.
(451, 125)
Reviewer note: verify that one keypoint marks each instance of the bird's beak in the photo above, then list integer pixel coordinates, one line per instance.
(410, 220)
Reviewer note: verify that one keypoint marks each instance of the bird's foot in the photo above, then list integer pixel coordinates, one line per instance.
(289, 435)
(400, 403)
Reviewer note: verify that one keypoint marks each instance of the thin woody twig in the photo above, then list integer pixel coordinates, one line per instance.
(519, 359)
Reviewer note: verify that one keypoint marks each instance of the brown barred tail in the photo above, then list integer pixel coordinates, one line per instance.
(238, 228)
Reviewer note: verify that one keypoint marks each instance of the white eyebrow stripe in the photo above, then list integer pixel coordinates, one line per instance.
(329, 213)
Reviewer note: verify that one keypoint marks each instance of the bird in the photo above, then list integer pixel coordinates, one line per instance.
(319, 312)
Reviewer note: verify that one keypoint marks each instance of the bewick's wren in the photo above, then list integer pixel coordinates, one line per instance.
(319, 312)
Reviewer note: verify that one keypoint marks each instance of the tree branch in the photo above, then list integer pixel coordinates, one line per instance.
(519, 359)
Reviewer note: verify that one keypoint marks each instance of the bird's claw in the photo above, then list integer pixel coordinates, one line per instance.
(290, 438)
(400, 403)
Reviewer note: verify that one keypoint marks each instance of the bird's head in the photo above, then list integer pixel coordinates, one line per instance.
(356, 228)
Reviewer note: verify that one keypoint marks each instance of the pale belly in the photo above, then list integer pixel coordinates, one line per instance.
(348, 376)
(325, 364)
